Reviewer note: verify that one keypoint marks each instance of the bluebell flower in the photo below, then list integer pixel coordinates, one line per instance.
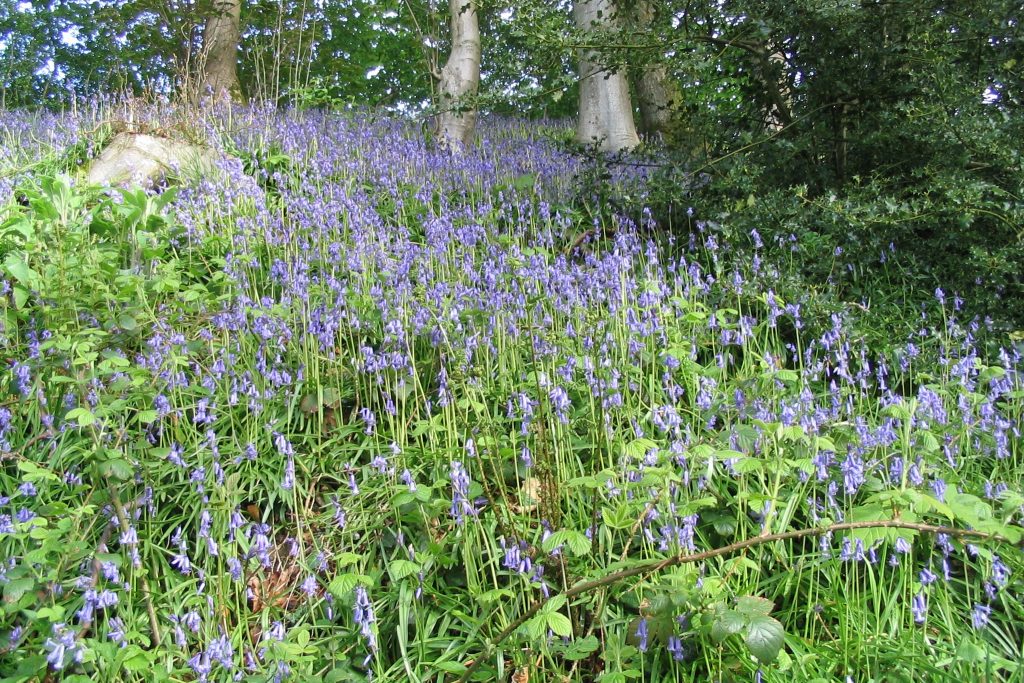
(919, 607)
(362, 614)
(980, 616)
(461, 504)
(62, 647)
(641, 634)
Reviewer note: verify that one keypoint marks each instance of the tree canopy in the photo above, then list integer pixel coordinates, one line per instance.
(894, 123)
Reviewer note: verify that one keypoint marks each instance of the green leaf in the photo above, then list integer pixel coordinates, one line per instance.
(765, 637)
(117, 468)
(343, 584)
(923, 503)
(494, 595)
(559, 624)
(51, 613)
(823, 443)
(536, 626)
(752, 605)
(83, 416)
(399, 569)
(747, 465)
(969, 508)
(16, 588)
(970, 652)
(727, 622)
(581, 648)
(17, 268)
(638, 448)
(622, 517)
(20, 297)
(345, 559)
(577, 543)
(450, 667)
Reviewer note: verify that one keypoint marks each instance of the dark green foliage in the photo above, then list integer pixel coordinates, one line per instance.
(896, 164)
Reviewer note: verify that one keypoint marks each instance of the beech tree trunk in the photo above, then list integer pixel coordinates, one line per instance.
(220, 52)
(605, 109)
(657, 94)
(459, 80)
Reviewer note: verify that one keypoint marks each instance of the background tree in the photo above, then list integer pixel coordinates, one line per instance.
(219, 58)
(658, 93)
(605, 106)
(459, 80)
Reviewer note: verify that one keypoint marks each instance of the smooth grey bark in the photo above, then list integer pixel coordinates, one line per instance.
(459, 80)
(223, 30)
(605, 107)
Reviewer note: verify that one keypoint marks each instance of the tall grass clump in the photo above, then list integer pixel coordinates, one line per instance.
(357, 410)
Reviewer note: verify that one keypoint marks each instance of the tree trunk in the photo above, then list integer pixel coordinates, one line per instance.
(776, 83)
(657, 94)
(606, 111)
(220, 52)
(459, 80)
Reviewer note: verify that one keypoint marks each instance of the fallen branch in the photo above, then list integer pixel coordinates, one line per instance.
(690, 558)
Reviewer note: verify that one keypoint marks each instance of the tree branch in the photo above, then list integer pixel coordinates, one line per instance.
(691, 558)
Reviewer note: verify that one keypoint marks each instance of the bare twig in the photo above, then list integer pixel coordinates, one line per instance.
(691, 558)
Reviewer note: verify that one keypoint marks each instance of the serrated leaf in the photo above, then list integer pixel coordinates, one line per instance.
(638, 448)
(752, 605)
(925, 503)
(399, 569)
(536, 627)
(729, 454)
(559, 624)
(747, 465)
(117, 468)
(16, 588)
(345, 559)
(824, 443)
(83, 416)
(577, 543)
(581, 648)
(622, 517)
(765, 637)
(727, 622)
(494, 595)
(343, 584)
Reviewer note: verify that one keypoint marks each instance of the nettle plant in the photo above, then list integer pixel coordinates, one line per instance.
(380, 413)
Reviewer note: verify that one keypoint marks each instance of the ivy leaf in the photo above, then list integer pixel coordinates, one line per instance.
(765, 637)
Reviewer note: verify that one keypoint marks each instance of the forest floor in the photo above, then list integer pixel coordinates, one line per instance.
(355, 409)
